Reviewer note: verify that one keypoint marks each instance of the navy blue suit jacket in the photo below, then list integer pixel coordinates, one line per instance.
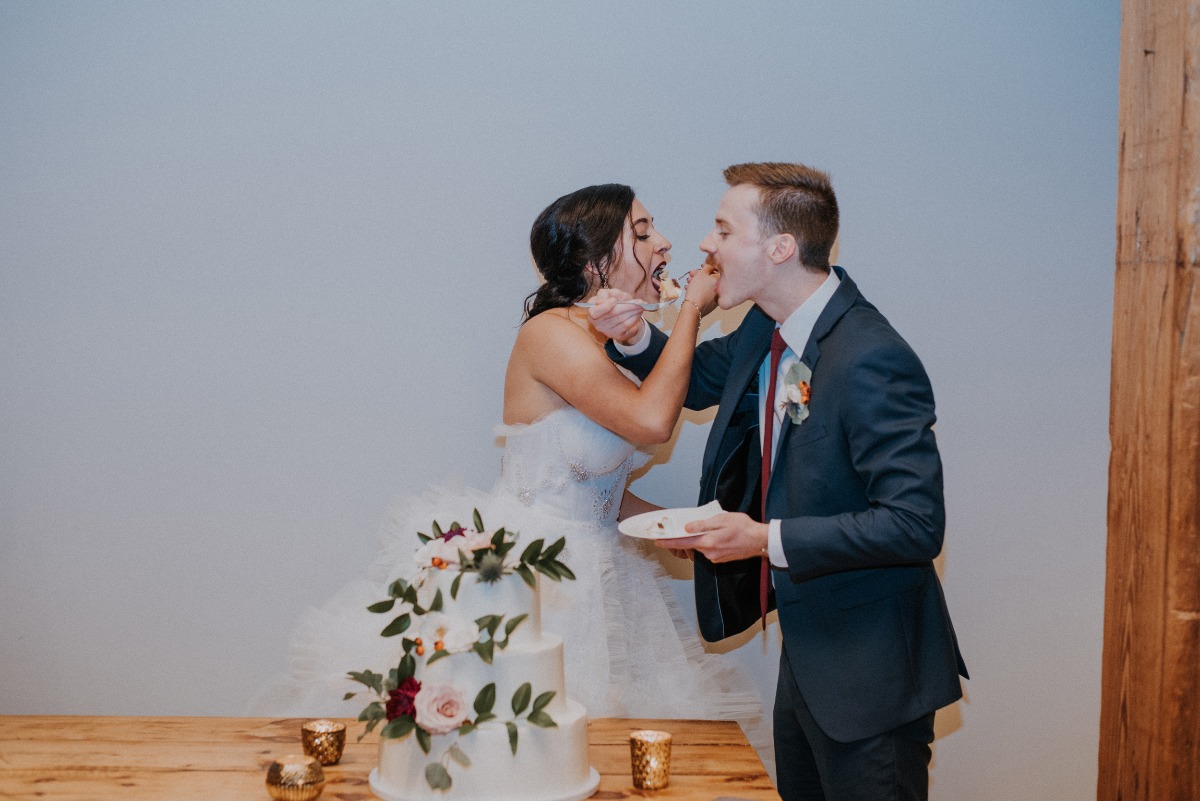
(857, 487)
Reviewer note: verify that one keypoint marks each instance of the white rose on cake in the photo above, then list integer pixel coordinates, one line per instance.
(453, 636)
(441, 709)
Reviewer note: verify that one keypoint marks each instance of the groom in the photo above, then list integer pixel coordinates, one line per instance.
(853, 513)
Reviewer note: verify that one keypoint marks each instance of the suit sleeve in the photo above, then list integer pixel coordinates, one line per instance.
(710, 365)
(888, 420)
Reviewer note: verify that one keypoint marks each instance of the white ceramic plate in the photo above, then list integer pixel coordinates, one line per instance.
(666, 524)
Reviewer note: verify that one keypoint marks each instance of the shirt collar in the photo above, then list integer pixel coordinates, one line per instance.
(797, 328)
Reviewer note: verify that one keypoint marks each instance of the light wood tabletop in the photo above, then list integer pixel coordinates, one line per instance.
(55, 758)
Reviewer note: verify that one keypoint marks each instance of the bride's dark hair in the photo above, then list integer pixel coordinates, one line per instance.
(575, 231)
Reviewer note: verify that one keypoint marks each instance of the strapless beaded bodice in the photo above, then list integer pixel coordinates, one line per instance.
(567, 465)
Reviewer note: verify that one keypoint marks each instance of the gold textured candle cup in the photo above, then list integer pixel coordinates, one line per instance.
(323, 739)
(650, 758)
(295, 778)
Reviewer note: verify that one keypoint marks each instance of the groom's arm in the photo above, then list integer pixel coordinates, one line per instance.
(888, 418)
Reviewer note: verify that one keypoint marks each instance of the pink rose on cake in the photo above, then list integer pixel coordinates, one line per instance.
(441, 709)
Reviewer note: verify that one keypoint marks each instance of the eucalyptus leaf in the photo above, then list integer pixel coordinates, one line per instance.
(541, 719)
(400, 727)
(520, 699)
(459, 756)
(477, 520)
(532, 551)
(555, 549)
(382, 606)
(437, 776)
(486, 698)
(512, 735)
(397, 626)
(514, 622)
(408, 667)
(543, 700)
(526, 575)
(455, 585)
(436, 606)
(423, 738)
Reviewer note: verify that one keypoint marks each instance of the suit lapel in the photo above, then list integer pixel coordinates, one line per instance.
(841, 301)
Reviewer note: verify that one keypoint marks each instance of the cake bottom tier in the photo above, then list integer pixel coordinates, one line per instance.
(550, 764)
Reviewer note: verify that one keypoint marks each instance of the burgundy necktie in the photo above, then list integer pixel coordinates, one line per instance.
(768, 449)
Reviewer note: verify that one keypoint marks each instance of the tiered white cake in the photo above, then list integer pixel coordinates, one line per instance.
(476, 708)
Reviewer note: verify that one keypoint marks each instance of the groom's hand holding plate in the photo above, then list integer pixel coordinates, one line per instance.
(667, 527)
(725, 537)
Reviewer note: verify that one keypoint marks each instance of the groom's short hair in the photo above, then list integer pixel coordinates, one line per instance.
(793, 199)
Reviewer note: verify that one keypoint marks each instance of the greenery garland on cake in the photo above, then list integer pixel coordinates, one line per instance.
(423, 710)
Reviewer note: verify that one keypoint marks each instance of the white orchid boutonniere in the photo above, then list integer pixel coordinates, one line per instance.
(797, 391)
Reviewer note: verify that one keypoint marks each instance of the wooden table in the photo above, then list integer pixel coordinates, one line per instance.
(208, 759)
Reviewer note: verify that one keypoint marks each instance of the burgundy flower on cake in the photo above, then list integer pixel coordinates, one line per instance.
(400, 700)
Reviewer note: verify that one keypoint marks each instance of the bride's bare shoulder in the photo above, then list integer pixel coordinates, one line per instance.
(552, 331)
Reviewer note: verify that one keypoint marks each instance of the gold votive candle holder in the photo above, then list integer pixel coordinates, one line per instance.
(650, 758)
(295, 778)
(324, 740)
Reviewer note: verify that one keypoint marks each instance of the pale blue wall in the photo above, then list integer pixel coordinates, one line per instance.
(261, 265)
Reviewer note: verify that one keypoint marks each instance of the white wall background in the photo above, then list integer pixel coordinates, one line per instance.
(261, 266)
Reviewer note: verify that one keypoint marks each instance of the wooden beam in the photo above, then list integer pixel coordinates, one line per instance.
(1150, 696)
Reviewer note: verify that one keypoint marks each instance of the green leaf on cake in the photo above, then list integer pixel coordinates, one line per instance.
(543, 700)
(531, 553)
(436, 656)
(398, 588)
(437, 604)
(423, 537)
(369, 678)
(373, 711)
(467, 728)
(541, 719)
(397, 626)
(477, 520)
(458, 756)
(437, 776)
(382, 606)
(527, 575)
(555, 549)
(486, 650)
(483, 717)
(486, 698)
(437, 530)
(348, 696)
(455, 585)
(423, 738)
(520, 699)
(401, 727)
(513, 623)
(407, 667)
(565, 571)
(512, 735)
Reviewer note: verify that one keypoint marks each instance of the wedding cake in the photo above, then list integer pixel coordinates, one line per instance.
(475, 707)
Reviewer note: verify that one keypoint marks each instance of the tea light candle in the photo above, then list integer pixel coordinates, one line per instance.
(323, 739)
(295, 778)
(650, 758)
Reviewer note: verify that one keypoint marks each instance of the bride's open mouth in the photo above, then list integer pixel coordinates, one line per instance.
(656, 276)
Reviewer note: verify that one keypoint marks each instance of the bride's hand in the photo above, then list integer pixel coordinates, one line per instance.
(702, 287)
(617, 320)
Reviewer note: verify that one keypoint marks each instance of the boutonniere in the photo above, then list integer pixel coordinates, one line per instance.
(797, 391)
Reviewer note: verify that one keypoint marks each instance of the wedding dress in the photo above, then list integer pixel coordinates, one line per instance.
(627, 650)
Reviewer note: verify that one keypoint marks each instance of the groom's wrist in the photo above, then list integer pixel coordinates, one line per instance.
(637, 345)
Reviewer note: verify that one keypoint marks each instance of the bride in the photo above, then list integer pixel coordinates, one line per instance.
(574, 427)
